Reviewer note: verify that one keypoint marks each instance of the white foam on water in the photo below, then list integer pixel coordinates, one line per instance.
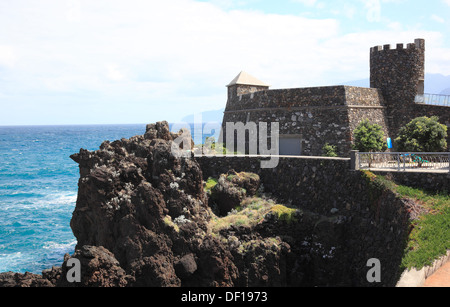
(10, 262)
(46, 202)
(36, 232)
(60, 247)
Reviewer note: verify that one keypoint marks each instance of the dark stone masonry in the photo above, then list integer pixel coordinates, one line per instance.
(145, 218)
(355, 219)
(311, 117)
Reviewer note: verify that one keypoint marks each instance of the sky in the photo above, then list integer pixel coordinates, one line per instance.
(142, 61)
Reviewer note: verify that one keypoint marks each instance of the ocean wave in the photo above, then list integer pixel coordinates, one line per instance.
(60, 247)
(13, 261)
(38, 190)
(35, 201)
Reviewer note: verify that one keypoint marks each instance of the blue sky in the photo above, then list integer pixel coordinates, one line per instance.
(141, 61)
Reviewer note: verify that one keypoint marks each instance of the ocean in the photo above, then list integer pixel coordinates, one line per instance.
(38, 189)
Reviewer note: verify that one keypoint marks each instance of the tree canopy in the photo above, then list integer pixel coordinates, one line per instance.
(423, 134)
(369, 137)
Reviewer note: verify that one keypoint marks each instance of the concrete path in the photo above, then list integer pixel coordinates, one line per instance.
(436, 275)
(441, 278)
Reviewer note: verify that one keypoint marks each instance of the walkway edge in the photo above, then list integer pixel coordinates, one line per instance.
(414, 278)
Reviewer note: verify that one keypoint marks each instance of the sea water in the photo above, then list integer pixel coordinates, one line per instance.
(38, 189)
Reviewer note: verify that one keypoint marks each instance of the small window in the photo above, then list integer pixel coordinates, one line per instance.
(290, 145)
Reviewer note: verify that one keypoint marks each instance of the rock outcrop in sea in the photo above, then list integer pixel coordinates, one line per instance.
(142, 219)
(151, 214)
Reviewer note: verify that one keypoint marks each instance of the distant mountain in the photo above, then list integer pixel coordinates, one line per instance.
(436, 83)
(358, 83)
(446, 91)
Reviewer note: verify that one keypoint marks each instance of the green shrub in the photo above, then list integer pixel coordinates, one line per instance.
(369, 137)
(329, 150)
(210, 184)
(423, 134)
(284, 213)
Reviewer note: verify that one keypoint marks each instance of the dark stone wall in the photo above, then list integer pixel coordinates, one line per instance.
(433, 182)
(330, 114)
(318, 115)
(399, 74)
(357, 219)
(316, 126)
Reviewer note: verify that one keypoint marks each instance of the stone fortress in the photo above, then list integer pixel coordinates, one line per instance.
(311, 117)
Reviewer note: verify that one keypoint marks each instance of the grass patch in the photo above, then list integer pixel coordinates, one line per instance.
(251, 212)
(430, 237)
(429, 240)
(433, 201)
(284, 213)
(210, 184)
(169, 223)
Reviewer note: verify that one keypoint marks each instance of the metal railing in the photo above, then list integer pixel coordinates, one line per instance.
(405, 161)
(433, 99)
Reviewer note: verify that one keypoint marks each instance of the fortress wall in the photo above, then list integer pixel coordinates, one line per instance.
(366, 103)
(318, 115)
(374, 115)
(434, 182)
(315, 125)
(399, 74)
(358, 220)
(289, 98)
(361, 96)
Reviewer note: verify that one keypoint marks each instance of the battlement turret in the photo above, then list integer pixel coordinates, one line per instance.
(418, 44)
(398, 71)
(400, 75)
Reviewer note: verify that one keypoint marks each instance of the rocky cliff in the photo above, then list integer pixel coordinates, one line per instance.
(148, 214)
(142, 219)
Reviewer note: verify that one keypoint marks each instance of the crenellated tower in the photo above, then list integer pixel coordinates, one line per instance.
(400, 75)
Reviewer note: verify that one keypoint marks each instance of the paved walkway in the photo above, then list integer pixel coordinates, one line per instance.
(441, 278)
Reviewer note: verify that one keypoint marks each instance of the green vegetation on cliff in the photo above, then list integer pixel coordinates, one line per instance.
(429, 238)
(251, 212)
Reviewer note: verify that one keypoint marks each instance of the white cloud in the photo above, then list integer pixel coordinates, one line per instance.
(114, 73)
(446, 2)
(373, 10)
(438, 18)
(8, 56)
(166, 59)
(306, 2)
(74, 10)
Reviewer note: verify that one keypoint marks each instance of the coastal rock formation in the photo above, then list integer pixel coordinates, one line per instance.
(142, 200)
(143, 217)
(232, 188)
(99, 266)
(10, 279)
